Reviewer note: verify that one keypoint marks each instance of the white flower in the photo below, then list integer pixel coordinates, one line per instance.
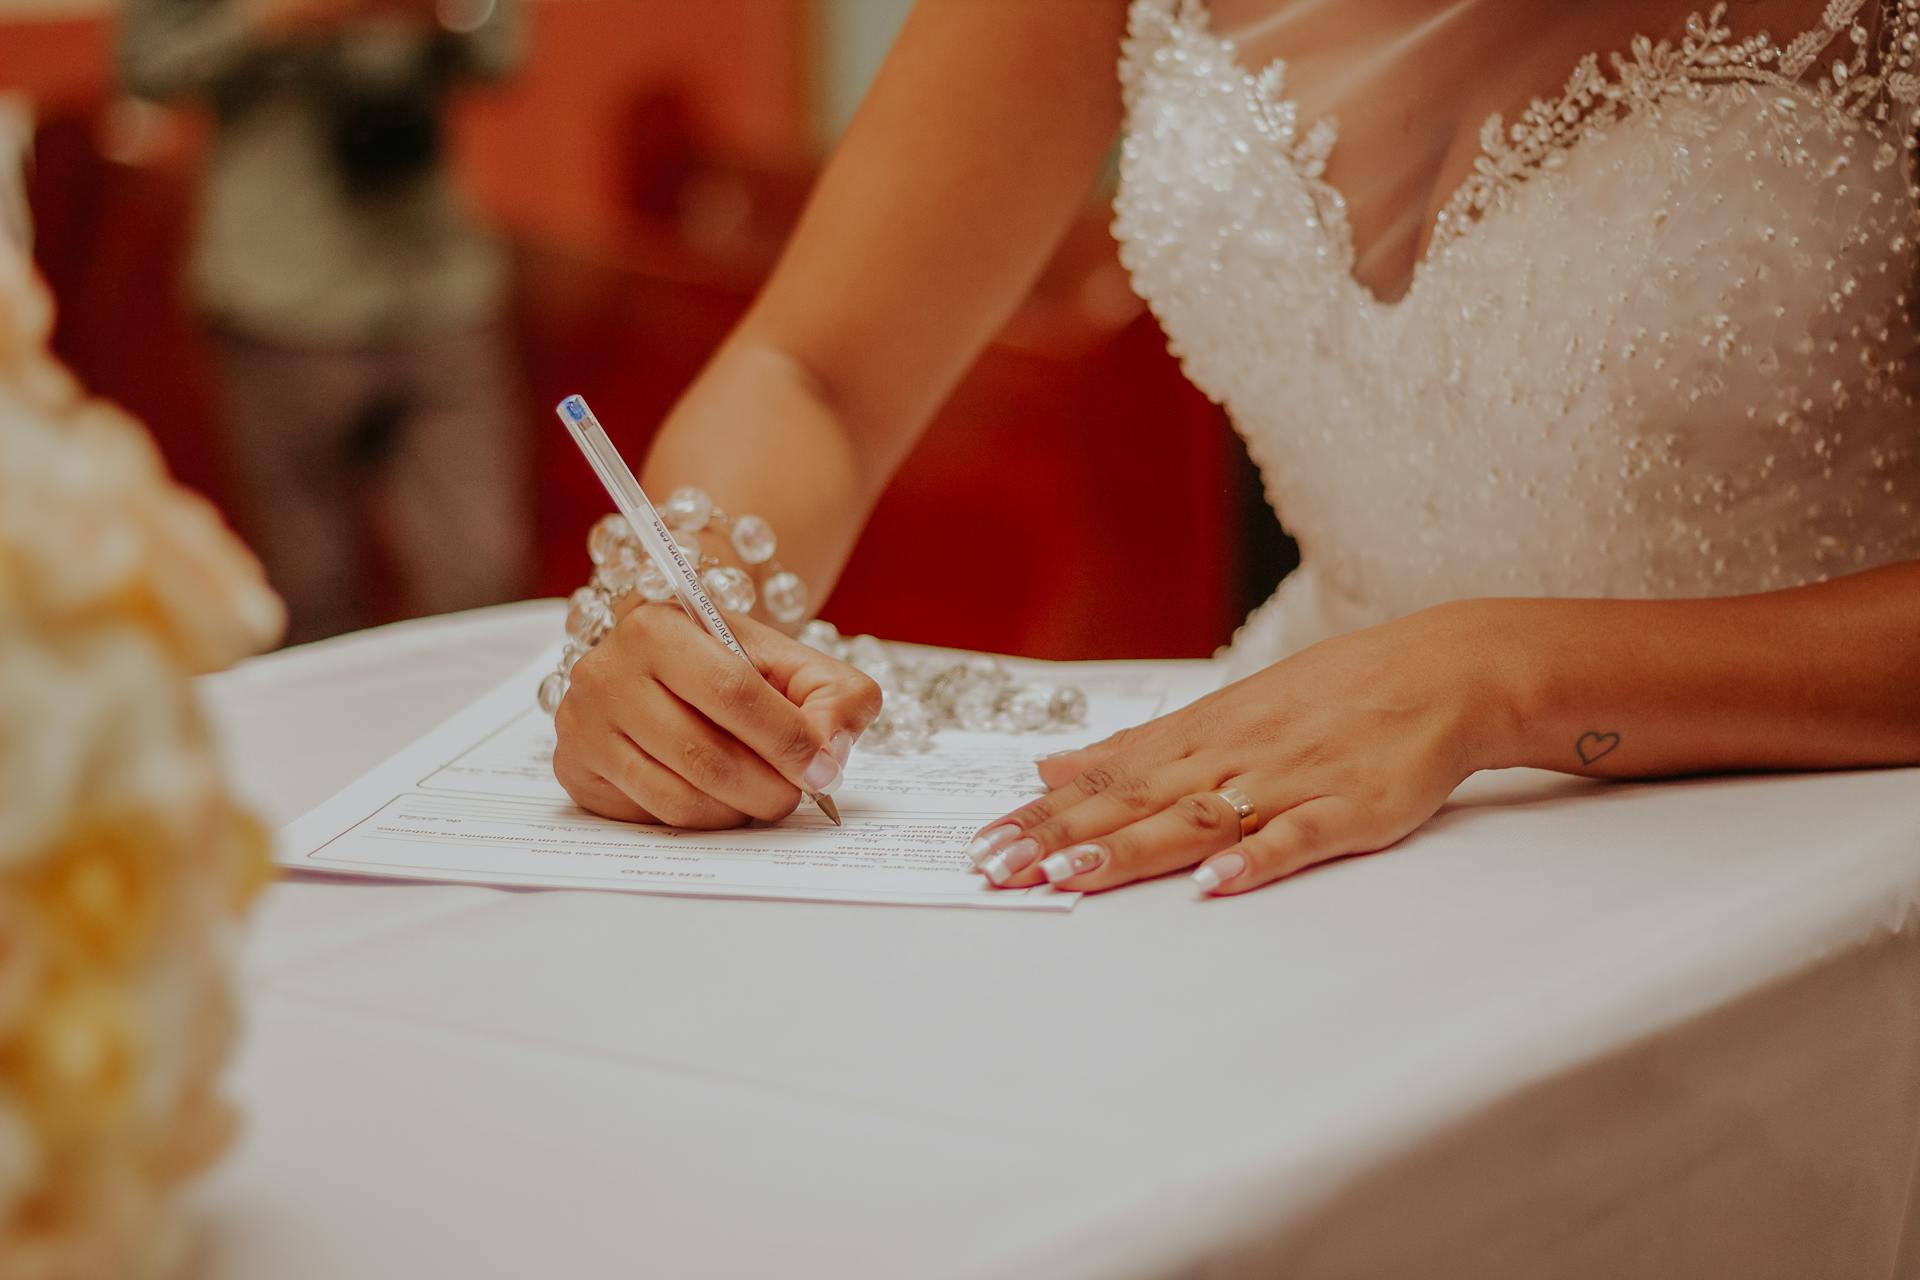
(89, 521)
(95, 723)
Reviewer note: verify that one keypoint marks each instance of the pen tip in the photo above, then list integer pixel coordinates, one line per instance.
(828, 807)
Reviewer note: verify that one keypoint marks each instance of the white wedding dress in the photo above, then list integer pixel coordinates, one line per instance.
(1660, 342)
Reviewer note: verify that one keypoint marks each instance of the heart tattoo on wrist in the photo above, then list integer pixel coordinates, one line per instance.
(1596, 746)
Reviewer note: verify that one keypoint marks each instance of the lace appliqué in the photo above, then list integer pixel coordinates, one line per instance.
(1309, 152)
(1858, 85)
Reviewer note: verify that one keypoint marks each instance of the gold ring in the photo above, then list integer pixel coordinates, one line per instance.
(1242, 808)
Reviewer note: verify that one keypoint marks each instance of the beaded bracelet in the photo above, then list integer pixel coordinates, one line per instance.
(622, 568)
(920, 697)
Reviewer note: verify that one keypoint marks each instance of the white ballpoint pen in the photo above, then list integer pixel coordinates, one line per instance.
(653, 534)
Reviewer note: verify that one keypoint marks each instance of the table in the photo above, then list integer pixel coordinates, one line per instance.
(1569, 1029)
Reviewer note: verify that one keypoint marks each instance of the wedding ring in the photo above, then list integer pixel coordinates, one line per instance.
(1242, 808)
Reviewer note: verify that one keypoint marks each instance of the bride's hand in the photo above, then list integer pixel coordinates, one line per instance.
(1343, 748)
(663, 724)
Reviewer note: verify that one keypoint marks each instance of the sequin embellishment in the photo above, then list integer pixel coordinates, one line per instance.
(1662, 342)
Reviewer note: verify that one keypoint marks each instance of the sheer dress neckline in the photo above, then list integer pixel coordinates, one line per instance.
(1861, 77)
(1665, 347)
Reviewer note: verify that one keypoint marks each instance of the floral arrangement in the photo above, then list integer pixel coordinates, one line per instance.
(125, 865)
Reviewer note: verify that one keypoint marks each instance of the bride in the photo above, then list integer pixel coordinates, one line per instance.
(1595, 420)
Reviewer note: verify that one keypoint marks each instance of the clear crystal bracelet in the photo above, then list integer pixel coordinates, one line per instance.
(622, 568)
(920, 696)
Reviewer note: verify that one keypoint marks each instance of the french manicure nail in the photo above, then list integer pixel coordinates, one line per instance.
(990, 842)
(1011, 861)
(1076, 861)
(1212, 875)
(842, 747)
(823, 775)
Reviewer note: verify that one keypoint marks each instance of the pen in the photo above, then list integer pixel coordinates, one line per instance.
(652, 532)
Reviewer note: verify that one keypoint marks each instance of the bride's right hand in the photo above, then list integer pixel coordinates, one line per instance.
(662, 724)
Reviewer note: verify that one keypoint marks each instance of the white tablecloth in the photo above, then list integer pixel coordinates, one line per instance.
(1568, 1030)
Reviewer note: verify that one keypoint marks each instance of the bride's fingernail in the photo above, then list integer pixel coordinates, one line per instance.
(842, 747)
(823, 775)
(1076, 861)
(1011, 861)
(1217, 872)
(990, 842)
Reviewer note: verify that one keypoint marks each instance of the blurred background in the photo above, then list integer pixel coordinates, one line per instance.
(570, 195)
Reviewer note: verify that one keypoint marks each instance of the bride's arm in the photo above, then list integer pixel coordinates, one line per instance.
(1817, 677)
(974, 149)
(1349, 745)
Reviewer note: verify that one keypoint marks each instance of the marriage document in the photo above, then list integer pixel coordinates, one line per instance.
(475, 802)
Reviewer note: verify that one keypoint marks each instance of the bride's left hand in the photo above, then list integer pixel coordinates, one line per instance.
(1343, 748)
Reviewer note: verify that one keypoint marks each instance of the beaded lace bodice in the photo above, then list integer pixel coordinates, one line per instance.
(1662, 341)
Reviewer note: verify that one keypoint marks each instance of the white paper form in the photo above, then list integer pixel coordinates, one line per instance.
(475, 802)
